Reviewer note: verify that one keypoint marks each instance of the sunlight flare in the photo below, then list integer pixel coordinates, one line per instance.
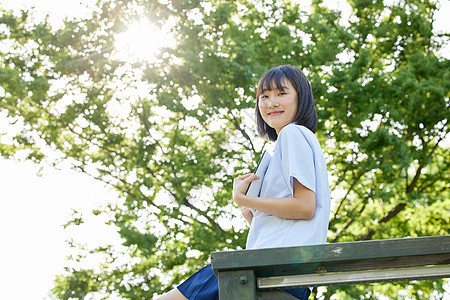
(143, 41)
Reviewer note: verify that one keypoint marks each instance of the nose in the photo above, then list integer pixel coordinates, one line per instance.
(273, 102)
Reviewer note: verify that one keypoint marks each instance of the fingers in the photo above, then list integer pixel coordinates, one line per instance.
(247, 213)
(240, 185)
(249, 176)
(244, 209)
(245, 176)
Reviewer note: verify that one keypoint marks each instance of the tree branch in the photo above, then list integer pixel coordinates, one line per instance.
(213, 225)
(355, 181)
(351, 220)
(144, 121)
(392, 213)
(422, 188)
(410, 187)
(240, 129)
(438, 141)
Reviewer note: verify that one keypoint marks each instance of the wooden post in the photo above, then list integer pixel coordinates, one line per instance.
(237, 285)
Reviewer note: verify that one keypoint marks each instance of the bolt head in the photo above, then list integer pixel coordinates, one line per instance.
(243, 279)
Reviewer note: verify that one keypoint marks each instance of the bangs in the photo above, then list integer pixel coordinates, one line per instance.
(272, 80)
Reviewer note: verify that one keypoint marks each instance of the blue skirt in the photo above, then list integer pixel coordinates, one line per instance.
(203, 285)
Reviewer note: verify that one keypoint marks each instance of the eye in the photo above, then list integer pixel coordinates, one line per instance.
(282, 93)
(263, 96)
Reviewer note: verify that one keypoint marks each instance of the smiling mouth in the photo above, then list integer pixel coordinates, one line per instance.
(275, 113)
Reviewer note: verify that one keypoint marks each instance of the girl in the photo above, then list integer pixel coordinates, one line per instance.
(294, 204)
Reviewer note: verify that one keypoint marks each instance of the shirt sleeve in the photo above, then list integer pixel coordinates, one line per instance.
(297, 157)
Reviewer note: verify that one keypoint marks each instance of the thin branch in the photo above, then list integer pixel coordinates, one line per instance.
(410, 187)
(426, 186)
(355, 181)
(213, 225)
(438, 141)
(406, 177)
(144, 121)
(146, 199)
(391, 214)
(351, 220)
(123, 156)
(240, 129)
(81, 168)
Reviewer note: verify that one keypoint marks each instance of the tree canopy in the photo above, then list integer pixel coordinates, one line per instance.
(170, 134)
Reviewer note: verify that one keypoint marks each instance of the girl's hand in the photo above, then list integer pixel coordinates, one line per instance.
(247, 213)
(240, 186)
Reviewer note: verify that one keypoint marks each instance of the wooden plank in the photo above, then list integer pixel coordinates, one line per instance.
(337, 257)
(329, 264)
(343, 278)
(331, 252)
(237, 285)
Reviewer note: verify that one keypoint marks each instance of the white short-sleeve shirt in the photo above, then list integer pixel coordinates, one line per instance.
(297, 153)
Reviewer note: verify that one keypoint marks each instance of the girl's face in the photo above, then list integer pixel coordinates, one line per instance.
(279, 107)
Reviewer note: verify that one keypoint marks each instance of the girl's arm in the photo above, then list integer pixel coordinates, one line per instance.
(301, 206)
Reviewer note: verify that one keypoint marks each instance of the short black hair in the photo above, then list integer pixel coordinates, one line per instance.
(306, 112)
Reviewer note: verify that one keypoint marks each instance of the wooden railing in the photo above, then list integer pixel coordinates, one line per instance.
(263, 273)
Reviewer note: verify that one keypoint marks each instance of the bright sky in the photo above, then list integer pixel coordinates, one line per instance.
(33, 208)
